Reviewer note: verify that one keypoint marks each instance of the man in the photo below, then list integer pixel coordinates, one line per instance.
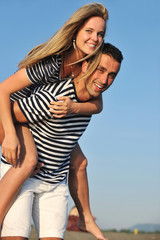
(55, 139)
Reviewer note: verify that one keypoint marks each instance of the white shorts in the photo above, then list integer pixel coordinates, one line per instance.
(46, 203)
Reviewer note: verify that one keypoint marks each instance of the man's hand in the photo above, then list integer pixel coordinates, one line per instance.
(37, 168)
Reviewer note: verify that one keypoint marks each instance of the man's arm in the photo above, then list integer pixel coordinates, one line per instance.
(79, 190)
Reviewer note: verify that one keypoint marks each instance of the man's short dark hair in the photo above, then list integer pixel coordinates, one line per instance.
(112, 51)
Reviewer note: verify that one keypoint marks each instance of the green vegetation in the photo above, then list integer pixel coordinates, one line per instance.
(130, 231)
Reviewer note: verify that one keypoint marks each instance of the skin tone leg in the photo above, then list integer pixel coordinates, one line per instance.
(21, 238)
(13, 180)
(78, 186)
(14, 238)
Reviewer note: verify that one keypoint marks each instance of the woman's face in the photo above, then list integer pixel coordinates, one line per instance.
(90, 35)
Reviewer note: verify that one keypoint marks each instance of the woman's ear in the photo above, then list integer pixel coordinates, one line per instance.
(84, 66)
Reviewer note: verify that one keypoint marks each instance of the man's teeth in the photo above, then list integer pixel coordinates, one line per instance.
(98, 86)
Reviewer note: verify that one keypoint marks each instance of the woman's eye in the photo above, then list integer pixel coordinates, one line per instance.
(88, 31)
(101, 34)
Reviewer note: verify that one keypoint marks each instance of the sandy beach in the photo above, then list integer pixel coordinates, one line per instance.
(71, 235)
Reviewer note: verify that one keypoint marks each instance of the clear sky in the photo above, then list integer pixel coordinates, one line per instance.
(122, 143)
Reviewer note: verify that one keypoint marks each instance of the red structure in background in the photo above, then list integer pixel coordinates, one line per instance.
(73, 219)
(72, 224)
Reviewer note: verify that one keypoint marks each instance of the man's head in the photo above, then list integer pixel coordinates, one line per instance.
(104, 74)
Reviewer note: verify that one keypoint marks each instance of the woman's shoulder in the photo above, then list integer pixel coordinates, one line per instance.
(53, 60)
(53, 66)
(45, 71)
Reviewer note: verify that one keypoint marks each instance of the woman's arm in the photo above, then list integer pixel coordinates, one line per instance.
(91, 107)
(65, 106)
(10, 145)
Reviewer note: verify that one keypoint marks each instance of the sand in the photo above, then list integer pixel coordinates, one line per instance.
(70, 235)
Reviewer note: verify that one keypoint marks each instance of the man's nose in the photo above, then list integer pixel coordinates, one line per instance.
(104, 79)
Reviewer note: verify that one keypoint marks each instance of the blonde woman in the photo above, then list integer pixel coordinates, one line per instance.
(60, 57)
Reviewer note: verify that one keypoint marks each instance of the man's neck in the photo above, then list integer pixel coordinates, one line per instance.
(81, 90)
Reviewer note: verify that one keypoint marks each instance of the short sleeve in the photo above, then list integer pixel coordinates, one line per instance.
(45, 71)
(35, 108)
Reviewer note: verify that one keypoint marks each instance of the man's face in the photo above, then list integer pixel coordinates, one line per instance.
(103, 76)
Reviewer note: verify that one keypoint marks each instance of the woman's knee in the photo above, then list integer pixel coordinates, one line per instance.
(28, 153)
(30, 161)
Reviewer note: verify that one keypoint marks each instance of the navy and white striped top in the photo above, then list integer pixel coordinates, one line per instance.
(44, 72)
(54, 138)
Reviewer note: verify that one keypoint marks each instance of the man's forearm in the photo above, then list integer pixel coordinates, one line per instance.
(78, 186)
(78, 183)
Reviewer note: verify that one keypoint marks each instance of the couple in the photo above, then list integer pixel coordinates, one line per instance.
(47, 190)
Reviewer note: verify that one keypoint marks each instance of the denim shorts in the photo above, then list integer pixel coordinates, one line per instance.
(46, 204)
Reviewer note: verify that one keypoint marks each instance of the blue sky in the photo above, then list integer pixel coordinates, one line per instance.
(122, 143)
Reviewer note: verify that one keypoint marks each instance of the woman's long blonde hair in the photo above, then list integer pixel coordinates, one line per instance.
(93, 63)
(62, 40)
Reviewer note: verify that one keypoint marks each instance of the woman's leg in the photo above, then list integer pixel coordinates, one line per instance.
(13, 180)
(13, 238)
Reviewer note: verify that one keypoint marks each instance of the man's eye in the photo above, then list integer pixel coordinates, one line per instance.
(112, 76)
(100, 70)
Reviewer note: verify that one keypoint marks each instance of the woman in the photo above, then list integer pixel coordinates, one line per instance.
(60, 57)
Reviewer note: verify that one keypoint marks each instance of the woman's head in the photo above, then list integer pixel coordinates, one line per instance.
(88, 23)
(63, 39)
(89, 36)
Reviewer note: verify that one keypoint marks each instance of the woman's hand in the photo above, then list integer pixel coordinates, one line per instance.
(11, 149)
(63, 107)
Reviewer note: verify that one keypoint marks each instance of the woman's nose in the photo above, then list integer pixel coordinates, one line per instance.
(95, 37)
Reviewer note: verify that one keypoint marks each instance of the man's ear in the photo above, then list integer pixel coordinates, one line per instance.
(84, 66)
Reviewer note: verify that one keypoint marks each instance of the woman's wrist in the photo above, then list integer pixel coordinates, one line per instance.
(9, 130)
(76, 107)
